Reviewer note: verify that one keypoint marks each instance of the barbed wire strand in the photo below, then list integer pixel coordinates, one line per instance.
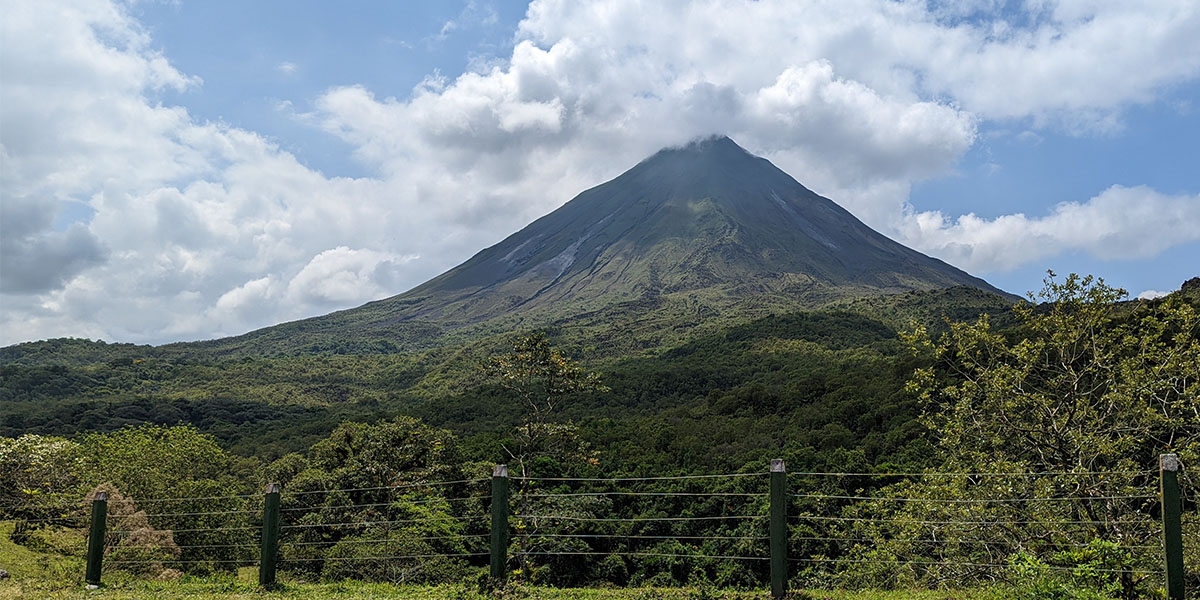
(631, 479)
(928, 541)
(378, 504)
(389, 540)
(194, 530)
(15, 520)
(636, 519)
(643, 537)
(177, 561)
(974, 500)
(369, 523)
(647, 554)
(185, 498)
(953, 522)
(962, 564)
(395, 557)
(189, 546)
(192, 514)
(958, 474)
(386, 487)
(664, 494)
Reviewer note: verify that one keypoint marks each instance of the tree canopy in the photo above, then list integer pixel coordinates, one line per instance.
(1082, 383)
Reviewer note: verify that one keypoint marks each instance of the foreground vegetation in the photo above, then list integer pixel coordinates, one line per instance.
(44, 576)
(362, 591)
(244, 589)
(1020, 448)
(51, 576)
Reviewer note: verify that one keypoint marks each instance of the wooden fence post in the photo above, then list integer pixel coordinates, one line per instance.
(778, 529)
(1172, 508)
(270, 537)
(95, 549)
(499, 554)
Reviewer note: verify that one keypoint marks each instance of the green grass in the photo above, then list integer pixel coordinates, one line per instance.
(242, 588)
(52, 576)
(32, 574)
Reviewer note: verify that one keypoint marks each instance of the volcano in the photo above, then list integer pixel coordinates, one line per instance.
(702, 233)
(708, 219)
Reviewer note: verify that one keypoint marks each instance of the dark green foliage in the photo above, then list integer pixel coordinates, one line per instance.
(1091, 572)
(357, 455)
(398, 557)
(28, 384)
(1082, 387)
(818, 381)
(370, 502)
(69, 352)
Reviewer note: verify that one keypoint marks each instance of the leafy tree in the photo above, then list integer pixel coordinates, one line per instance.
(151, 461)
(542, 379)
(185, 482)
(1084, 387)
(387, 453)
(39, 484)
(372, 503)
(38, 474)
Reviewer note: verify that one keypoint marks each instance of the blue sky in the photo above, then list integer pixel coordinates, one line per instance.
(188, 170)
(273, 51)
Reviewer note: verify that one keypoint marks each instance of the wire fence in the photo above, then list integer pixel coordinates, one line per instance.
(404, 533)
(978, 527)
(886, 528)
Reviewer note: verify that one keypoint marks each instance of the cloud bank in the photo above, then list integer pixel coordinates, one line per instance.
(126, 218)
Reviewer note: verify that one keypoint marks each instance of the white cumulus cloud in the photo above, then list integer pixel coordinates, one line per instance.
(128, 218)
(1119, 224)
(344, 276)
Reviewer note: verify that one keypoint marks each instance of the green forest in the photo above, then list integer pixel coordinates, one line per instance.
(932, 440)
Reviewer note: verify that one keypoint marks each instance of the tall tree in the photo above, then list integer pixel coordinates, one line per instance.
(542, 379)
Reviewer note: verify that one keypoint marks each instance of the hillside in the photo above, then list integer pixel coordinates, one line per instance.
(68, 386)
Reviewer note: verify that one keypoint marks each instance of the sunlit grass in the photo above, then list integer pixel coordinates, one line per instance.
(48, 576)
(240, 589)
(244, 586)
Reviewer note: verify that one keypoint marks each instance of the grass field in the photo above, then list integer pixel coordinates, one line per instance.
(53, 576)
(44, 577)
(230, 588)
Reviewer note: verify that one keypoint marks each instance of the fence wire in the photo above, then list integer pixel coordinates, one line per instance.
(836, 523)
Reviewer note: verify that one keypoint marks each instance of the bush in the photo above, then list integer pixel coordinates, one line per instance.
(398, 557)
(1100, 570)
